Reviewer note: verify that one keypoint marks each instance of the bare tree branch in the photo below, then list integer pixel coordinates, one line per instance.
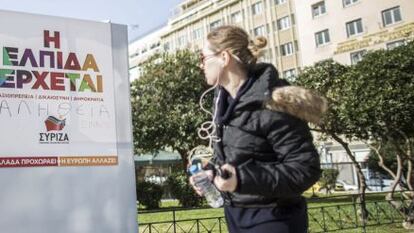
(381, 160)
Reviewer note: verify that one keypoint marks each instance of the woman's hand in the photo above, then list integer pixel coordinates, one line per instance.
(192, 181)
(227, 185)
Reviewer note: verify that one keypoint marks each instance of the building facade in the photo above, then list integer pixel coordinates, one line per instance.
(142, 49)
(299, 32)
(333, 155)
(346, 29)
(273, 19)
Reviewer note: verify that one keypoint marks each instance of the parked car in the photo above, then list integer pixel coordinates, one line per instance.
(375, 184)
(339, 187)
(378, 182)
(155, 179)
(347, 186)
(315, 188)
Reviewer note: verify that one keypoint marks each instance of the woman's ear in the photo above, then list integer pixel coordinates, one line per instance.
(225, 56)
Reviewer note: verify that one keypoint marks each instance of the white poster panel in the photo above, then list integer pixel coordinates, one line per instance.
(56, 86)
(66, 161)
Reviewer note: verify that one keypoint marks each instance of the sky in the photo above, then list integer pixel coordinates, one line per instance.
(141, 16)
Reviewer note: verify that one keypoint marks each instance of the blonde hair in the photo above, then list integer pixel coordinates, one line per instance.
(236, 41)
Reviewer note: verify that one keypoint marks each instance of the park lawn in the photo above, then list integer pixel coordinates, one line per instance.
(179, 215)
(340, 198)
(391, 228)
(334, 199)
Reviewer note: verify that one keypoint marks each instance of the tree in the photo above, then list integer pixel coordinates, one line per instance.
(371, 101)
(381, 87)
(379, 103)
(327, 78)
(165, 104)
(386, 161)
(382, 110)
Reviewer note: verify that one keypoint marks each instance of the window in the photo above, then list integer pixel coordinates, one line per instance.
(283, 23)
(257, 8)
(354, 27)
(349, 2)
(391, 16)
(197, 33)
(236, 17)
(278, 2)
(286, 49)
(296, 46)
(136, 54)
(259, 31)
(318, 9)
(322, 37)
(395, 44)
(266, 56)
(182, 40)
(155, 45)
(357, 56)
(215, 24)
(289, 74)
(167, 46)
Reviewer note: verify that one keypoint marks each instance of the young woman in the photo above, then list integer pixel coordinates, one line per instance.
(264, 142)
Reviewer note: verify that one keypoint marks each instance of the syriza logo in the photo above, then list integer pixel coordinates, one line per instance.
(54, 134)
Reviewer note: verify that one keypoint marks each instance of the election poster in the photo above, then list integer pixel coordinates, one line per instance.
(66, 160)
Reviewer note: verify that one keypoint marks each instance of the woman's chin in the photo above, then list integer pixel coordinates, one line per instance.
(210, 82)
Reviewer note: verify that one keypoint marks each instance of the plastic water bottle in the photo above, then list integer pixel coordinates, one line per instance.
(210, 192)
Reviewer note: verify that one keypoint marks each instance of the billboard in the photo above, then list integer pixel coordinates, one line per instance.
(66, 140)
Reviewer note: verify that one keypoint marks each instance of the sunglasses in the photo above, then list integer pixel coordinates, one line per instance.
(203, 57)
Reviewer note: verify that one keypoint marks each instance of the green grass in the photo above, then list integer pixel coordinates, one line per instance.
(336, 217)
(391, 228)
(179, 215)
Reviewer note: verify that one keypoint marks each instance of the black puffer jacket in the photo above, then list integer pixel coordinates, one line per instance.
(271, 147)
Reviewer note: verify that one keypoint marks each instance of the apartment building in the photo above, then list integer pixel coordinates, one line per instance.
(299, 32)
(274, 19)
(143, 48)
(346, 29)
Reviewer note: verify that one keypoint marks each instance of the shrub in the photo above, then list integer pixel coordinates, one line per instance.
(328, 179)
(149, 194)
(182, 190)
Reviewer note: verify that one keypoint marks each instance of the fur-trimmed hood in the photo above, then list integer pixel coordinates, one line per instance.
(277, 95)
(299, 102)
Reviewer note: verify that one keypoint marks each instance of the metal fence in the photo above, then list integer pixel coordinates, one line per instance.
(326, 218)
(347, 216)
(214, 224)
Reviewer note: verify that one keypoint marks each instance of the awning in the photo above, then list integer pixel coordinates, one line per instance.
(157, 158)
